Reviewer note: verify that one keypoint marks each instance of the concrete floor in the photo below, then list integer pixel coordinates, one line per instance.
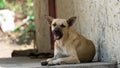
(25, 62)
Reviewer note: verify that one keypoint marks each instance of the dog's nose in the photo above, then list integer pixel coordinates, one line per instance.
(56, 30)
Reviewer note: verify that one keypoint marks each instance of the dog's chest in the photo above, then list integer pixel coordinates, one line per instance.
(63, 52)
(62, 49)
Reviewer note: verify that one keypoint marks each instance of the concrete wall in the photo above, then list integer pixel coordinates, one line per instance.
(98, 20)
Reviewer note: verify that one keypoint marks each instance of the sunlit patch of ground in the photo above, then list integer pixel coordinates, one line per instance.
(7, 47)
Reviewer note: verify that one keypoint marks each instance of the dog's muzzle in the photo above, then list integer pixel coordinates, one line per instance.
(57, 33)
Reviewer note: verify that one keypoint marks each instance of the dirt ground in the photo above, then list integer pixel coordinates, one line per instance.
(7, 47)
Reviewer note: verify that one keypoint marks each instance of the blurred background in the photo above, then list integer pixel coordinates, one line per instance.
(17, 30)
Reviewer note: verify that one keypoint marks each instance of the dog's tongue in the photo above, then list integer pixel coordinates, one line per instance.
(56, 37)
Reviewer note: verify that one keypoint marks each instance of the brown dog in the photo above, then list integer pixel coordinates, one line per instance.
(70, 46)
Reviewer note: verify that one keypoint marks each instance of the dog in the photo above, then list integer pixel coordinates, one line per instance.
(70, 47)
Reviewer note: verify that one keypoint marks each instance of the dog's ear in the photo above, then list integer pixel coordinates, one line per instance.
(71, 20)
(49, 19)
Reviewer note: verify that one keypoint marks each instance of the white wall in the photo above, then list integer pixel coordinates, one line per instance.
(98, 20)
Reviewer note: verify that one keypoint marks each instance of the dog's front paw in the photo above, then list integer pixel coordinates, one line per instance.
(44, 63)
(50, 63)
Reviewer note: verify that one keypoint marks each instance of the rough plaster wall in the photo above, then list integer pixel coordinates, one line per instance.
(98, 20)
(112, 29)
(41, 25)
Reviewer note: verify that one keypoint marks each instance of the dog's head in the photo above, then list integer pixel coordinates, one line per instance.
(60, 27)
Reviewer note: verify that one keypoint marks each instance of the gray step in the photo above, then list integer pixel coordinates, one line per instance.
(24, 62)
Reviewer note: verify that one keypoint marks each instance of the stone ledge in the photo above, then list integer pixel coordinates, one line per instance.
(35, 63)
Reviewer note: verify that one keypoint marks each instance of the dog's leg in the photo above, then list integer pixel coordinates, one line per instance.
(66, 60)
(56, 54)
(72, 59)
(44, 63)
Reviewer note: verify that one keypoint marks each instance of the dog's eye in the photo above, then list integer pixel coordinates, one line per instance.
(54, 24)
(62, 25)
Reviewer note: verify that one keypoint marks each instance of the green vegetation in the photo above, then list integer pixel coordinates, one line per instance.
(24, 7)
(3, 4)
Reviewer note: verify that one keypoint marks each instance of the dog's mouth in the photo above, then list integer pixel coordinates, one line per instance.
(57, 33)
(56, 37)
